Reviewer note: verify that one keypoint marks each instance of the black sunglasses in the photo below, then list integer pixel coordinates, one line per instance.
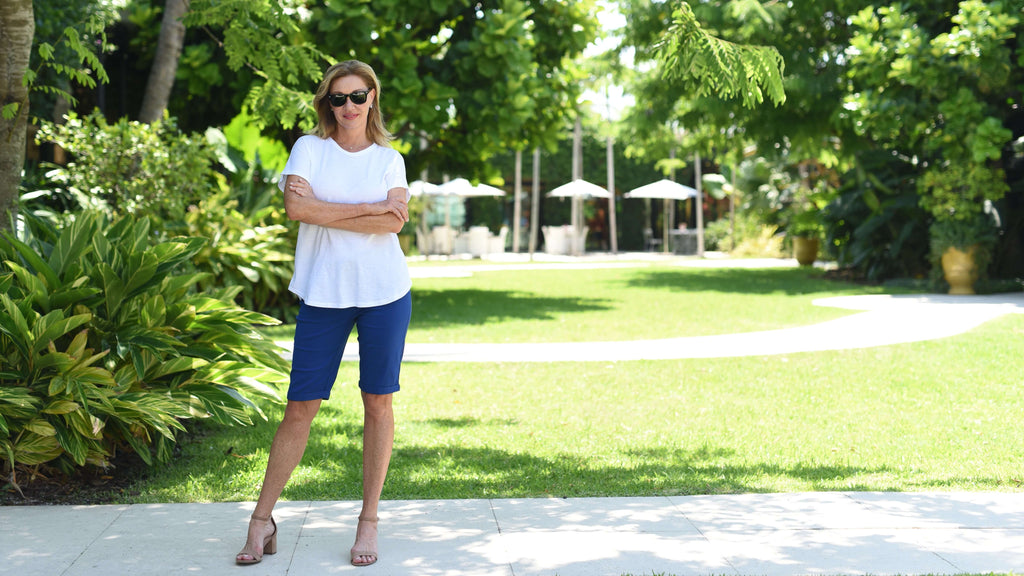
(358, 97)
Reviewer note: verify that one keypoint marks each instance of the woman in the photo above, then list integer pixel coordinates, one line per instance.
(349, 271)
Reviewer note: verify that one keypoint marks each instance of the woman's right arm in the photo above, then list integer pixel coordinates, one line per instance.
(301, 205)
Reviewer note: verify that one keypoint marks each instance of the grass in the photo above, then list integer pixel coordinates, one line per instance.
(559, 305)
(937, 415)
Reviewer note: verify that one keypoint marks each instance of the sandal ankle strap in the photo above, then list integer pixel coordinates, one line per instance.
(367, 518)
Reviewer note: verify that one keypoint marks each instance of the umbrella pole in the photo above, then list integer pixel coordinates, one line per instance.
(664, 232)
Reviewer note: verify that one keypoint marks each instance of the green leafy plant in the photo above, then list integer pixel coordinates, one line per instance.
(252, 254)
(220, 186)
(718, 67)
(131, 167)
(875, 225)
(105, 347)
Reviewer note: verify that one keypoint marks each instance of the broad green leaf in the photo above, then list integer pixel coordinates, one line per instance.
(73, 242)
(72, 443)
(32, 449)
(40, 426)
(53, 326)
(61, 407)
(38, 265)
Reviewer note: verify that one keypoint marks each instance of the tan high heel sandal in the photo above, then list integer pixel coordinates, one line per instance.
(356, 553)
(269, 544)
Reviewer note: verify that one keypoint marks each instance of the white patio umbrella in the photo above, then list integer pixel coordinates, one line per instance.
(459, 187)
(462, 187)
(667, 190)
(421, 188)
(663, 189)
(579, 189)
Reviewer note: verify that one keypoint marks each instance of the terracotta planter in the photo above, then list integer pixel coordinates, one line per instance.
(805, 250)
(959, 270)
(405, 241)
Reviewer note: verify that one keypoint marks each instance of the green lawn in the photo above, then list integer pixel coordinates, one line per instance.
(559, 305)
(939, 415)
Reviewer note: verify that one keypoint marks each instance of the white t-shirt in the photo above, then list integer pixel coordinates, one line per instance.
(339, 268)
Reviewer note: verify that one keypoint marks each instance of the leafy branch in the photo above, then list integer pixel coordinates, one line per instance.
(257, 36)
(719, 67)
(72, 39)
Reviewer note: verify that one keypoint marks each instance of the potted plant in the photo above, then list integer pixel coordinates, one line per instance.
(407, 237)
(964, 230)
(805, 224)
(806, 230)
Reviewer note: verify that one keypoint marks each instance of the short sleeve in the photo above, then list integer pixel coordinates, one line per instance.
(395, 175)
(300, 162)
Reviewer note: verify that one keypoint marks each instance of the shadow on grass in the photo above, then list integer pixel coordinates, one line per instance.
(331, 469)
(438, 308)
(429, 471)
(791, 281)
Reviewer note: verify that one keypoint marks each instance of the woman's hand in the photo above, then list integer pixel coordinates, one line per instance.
(393, 205)
(300, 186)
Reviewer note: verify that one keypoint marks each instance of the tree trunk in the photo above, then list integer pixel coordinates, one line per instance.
(165, 63)
(17, 28)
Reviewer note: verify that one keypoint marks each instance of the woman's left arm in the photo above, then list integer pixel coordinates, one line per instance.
(386, 216)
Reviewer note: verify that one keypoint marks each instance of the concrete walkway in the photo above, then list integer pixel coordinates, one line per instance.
(748, 534)
(828, 533)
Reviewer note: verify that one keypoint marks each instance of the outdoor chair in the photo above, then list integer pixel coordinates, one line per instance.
(650, 242)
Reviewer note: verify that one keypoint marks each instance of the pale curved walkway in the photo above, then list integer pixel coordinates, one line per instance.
(881, 320)
(884, 320)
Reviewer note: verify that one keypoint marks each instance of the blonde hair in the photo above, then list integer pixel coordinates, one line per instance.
(375, 129)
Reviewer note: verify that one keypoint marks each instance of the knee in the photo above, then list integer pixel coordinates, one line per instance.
(377, 405)
(301, 411)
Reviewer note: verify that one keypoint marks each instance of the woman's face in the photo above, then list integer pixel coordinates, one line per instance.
(351, 115)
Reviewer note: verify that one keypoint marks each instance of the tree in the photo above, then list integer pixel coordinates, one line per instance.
(464, 81)
(942, 88)
(17, 28)
(165, 63)
(71, 56)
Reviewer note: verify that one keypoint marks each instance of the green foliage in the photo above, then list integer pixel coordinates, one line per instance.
(106, 348)
(937, 91)
(265, 37)
(958, 192)
(875, 225)
(131, 167)
(170, 177)
(720, 68)
(248, 252)
(465, 81)
(69, 38)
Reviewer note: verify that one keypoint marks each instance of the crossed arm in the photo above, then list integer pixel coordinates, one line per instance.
(386, 216)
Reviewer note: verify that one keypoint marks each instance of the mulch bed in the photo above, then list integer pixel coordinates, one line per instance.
(89, 486)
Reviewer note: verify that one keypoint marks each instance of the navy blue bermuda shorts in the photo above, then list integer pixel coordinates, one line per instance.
(320, 338)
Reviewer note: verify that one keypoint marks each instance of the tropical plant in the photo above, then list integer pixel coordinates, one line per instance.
(216, 186)
(105, 347)
(875, 225)
(251, 253)
(940, 97)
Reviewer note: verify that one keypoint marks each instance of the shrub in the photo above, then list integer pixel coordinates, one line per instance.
(214, 186)
(104, 347)
(131, 167)
(875, 225)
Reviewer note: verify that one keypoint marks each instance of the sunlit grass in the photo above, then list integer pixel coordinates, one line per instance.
(936, 415)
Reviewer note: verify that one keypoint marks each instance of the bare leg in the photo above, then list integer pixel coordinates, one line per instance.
(285, 453)
(378, 440)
